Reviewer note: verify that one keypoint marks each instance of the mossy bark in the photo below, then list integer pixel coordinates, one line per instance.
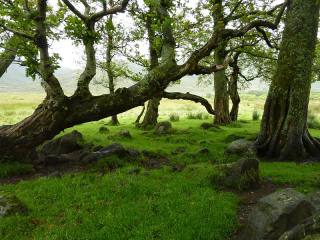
(151, 117)
(284, 134)
(110, 46)
(233, 88)
(221, 96)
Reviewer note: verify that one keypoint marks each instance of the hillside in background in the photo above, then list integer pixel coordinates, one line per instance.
(16, 81)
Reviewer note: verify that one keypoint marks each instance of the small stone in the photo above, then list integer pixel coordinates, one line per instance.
(104, 130)
(163, 127)
(125, 134)
(206, 125)
(240, 146)
(204, 151)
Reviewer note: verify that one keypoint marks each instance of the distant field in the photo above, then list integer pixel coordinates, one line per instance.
(16, 106)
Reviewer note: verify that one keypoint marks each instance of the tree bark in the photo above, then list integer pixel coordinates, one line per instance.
(110, 46)
(235, 98)
(284, 134)
(233, 88)
(151, 116)
(221, 96)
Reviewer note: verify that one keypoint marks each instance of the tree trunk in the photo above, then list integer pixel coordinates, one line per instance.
(235, 98)
(151, 117)
(221, 96)
(284, 134)
(233, 88)
(110, 47)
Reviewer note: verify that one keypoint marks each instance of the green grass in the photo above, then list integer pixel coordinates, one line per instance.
(304, 177)
(155, 204)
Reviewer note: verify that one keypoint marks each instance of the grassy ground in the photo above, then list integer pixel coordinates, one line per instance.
(155, 204)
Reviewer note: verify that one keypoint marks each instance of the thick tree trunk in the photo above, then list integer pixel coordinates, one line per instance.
(151, 116)
(221, 96)
(284, 133)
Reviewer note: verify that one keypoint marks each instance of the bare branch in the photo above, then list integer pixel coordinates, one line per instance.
(74, 10)
(113, 10)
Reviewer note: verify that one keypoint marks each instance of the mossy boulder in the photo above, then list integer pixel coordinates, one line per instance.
(10, 205)
(125, 134)
(276, 214)
(67, 143)
(164, 127)
(103, 130)
(241, 147)
(241, 175)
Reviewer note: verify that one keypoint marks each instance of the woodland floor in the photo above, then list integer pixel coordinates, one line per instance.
(93, 202)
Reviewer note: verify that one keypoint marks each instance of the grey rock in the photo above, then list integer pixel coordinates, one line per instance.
(241, 146)
(125, 134)
(66, 144)
(241, 175)
(163, 127)
(276, 214)
(315, 200)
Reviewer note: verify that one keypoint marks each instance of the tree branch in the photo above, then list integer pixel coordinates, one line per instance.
(113, 10)
(74, 10)
(190, 97)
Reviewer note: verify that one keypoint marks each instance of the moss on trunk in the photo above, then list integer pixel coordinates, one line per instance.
(284, 133)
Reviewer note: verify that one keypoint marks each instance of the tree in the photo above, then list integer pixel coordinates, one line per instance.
(284, 134)
(59, 111)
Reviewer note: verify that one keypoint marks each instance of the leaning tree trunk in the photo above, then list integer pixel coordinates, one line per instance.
(284, 134)
(151, 116)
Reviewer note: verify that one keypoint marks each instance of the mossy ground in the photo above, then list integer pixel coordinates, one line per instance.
(153, 204)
